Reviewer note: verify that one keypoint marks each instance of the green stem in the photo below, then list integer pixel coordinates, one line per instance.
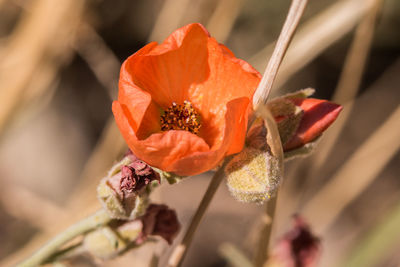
(69, 252)
(99, 218)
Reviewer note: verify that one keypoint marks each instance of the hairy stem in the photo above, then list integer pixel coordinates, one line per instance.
(179, 252)
(99, 218)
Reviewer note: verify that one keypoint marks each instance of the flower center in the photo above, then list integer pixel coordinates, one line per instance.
(181, 117)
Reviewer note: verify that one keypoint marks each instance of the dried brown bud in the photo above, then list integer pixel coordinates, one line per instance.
(136, 176)
(162, 221)
(123, 194)
(297, 248)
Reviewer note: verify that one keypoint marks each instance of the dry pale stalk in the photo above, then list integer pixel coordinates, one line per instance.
(292, 20)
(326, 28)
(168, 19)
(260, 97)
(361, 169)
(350, 80)
(101, 153)
(314, 37)
(221, 22)
(180, 250)
(99, 57)
(14, 201)
(274, 141)
(19, 62)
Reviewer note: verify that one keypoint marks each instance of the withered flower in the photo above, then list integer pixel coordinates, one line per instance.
(135, 176)
(297, 248)
(162, 221)
(124, 194)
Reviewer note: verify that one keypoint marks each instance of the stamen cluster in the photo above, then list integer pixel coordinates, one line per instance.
(181, 117)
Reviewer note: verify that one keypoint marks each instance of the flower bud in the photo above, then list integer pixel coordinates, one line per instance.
(107, 242)
(125, 194)
(300, 119)
(298, 247)
(253, 175)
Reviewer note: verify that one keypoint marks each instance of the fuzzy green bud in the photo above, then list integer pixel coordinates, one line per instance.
(253, 175)
(106, 242)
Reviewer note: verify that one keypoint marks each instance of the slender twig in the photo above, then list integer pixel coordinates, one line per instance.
(265, 233)
(274, 141)
(66, 253)
(260, 97)
(20, 63)
(350, 80)
(292, 20)
(234, 256)
(170, 17)
(324, 29)
(223, 18)
(179, 252)
(99, 218)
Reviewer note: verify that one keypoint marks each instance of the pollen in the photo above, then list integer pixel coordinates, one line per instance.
(181, 117)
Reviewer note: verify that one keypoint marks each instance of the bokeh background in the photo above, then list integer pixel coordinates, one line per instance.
(59, 67)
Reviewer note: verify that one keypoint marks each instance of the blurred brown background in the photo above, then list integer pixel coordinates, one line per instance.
(59, 65)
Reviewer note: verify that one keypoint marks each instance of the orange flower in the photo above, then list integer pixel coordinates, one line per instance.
(183, 105)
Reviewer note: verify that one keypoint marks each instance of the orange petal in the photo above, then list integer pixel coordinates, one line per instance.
(182, 152)
(318, 116)
(161, 149)
(188, 65)
(171, 68)
(203, 161)
(229, 78)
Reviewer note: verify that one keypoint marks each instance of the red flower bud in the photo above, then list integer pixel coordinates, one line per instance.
(318, 116)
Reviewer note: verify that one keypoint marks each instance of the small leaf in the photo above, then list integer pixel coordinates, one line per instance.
(302, 151)
(303, 93)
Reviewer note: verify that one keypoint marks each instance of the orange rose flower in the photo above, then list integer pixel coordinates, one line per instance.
(183, 105)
